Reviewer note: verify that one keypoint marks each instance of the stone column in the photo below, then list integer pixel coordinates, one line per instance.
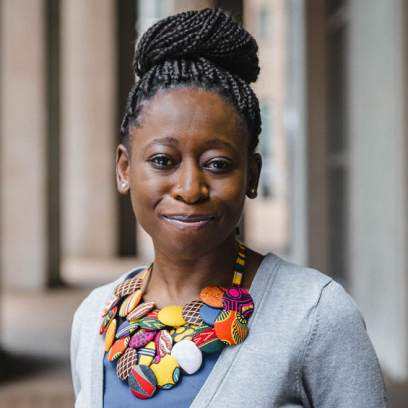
(89, 128)
(378, 177)
(316, 110)
(23, 178)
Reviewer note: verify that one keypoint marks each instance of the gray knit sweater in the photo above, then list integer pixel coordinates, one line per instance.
(307, 347)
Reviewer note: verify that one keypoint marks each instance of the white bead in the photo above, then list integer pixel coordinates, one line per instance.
(188, 356)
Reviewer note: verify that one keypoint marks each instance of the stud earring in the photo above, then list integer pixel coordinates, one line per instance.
(252, 190)
(124, 185)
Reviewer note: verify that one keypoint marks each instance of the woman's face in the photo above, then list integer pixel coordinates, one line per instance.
(188, 171)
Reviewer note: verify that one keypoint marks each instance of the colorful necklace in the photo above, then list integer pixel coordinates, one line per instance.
(153, 347)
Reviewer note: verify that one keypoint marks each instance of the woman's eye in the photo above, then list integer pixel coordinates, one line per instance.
(161, 161)
(219, 165)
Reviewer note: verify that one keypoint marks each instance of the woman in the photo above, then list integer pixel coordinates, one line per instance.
(210, 322)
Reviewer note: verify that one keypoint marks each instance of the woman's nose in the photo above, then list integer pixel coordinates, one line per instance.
(190, 185)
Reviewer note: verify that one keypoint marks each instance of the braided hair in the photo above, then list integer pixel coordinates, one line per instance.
(197, 49)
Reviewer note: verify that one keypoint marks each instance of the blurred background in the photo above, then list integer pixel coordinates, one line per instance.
(333, 194)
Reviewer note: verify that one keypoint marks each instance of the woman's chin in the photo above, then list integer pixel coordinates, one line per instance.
(190, 243)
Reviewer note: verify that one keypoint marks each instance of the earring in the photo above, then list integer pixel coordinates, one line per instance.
(252, 190)
(124, 185)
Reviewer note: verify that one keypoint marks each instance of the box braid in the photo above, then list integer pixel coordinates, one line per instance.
(197, 49)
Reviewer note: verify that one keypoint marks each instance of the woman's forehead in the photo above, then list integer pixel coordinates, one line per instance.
(183, 101)
(188, 110)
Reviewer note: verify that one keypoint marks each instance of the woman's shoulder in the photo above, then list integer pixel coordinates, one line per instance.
(281, 275)
(300, 287)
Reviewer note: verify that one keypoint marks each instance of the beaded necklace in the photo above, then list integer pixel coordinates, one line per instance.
(154, 346)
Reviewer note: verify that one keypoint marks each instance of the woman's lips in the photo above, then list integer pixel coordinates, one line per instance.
(189, 221)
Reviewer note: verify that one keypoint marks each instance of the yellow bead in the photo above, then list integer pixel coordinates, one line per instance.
(172, 316)
(146, 358)
(166, 370)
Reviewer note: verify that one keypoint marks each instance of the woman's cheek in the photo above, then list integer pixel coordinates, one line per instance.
(234, 189)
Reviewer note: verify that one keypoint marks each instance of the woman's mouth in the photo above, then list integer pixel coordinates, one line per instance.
(193, 222)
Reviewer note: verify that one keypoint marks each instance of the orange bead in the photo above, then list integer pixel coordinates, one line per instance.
(231, 327)
(110, 335)
(212, 296)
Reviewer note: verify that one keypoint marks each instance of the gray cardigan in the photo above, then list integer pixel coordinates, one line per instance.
(307, 347)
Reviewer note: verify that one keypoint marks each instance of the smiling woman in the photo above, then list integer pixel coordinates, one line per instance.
(210, 323)
(188, 170)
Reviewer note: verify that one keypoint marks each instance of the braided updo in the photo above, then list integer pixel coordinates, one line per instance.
(197, 49)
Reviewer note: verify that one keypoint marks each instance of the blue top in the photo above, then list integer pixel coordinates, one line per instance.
(117, 394)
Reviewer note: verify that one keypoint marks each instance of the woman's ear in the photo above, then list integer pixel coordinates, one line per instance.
(122, 169)
(254, 172)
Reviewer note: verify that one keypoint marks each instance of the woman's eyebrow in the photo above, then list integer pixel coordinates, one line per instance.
(215, 142)
(166, 140)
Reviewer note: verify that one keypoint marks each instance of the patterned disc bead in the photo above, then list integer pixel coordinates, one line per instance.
(166, 370)
(148, 323)
(127, 328)
(147, 353)
(142, 381)
(238, 299)
(207, 341)
(164, 342)
(153, 314)
(231, 327)
(130, 302)
(191, 312)
(182, 333)
(140, 311)
(128, 286)
(203, 326)
(118, 348)
(141, 338)
(111, 304)
(125, 363)
(108, 318)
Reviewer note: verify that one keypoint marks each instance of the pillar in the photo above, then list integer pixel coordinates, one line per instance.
(378, 177)
(23, 154)
(89, 128)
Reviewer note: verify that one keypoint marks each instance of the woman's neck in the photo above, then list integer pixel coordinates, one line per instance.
(180, 279)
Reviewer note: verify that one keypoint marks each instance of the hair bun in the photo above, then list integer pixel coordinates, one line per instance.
(209, 33)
